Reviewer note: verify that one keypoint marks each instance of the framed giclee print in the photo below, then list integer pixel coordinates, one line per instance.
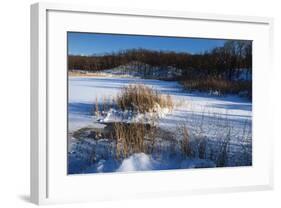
(134, 103)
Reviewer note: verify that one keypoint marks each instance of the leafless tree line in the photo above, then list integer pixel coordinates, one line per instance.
(219, 62)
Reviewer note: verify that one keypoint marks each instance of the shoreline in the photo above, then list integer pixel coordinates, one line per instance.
(84, 74)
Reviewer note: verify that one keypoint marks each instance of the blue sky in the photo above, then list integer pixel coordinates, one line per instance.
(93, 43)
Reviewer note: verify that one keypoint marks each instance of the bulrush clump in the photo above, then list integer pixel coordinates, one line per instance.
(142, 99)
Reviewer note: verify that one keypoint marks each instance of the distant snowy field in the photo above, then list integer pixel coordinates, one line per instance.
(205, 115)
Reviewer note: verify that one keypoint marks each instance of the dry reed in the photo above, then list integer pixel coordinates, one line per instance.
(141, 98)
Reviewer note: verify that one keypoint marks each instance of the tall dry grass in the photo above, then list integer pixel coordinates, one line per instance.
(219, 85)
(199, 146)
(141, 98)
(223, 153)
(96, 111)
(202, 148)
(185, 142)
(130, 138)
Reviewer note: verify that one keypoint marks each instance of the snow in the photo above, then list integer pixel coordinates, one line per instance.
(141, 161)
(114, 115)
(136, 162)
(84, 91)
(205, 115)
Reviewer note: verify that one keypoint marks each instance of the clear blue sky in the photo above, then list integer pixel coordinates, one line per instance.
(92, 43)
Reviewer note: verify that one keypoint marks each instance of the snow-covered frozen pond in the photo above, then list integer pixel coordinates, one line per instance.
(205, 115)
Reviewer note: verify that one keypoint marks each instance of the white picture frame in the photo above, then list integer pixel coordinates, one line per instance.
(48, 183)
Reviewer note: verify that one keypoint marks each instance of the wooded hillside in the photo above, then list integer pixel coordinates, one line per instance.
(221, 62)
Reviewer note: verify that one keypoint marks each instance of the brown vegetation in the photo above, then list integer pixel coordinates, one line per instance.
(96, 111)
(220, 61)
(141, 98)
(185, 142)
(130, 138)
(220, 85)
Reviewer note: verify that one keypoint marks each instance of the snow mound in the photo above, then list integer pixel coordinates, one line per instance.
(126, 116)
(136, 162)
